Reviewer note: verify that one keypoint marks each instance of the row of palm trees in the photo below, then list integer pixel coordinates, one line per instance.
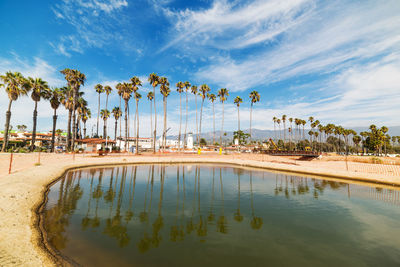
(296, 130)
(16, 86)
(126, 90)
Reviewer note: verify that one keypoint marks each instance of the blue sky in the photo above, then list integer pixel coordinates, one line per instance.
(338, 61)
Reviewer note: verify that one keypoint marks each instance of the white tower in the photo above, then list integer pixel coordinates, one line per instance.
(189, 142)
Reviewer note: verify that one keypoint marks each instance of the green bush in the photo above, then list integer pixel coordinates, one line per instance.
(376, 160)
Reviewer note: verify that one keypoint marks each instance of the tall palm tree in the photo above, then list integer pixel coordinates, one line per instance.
(75, 79)
(81, 108)
(194, 91)
(291, 132)
(223, 94)
(165, 91)
(284, 129)
(105, 114)
(279, 125)
(120, 108)
(154, 81)
(150, 97)
(274, 120)
(237, 101)
(67, 101)
(187, 86)
(254, 98)
(117, 115)
(107, 90)
(55, 103)
(99, 89)
(179, 89)
(135, 83)
(15, 86)
(212, 98)
(137, 97)
(126, 93)
(85, 116)
(204, 89)
(40, 89)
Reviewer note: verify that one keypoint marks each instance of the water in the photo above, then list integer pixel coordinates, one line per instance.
(203, 215)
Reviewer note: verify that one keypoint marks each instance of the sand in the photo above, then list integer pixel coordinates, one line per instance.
(22, 191)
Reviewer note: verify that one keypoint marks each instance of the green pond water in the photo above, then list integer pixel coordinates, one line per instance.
(205, 215)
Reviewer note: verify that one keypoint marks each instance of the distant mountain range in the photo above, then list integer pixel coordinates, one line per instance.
(266, 134)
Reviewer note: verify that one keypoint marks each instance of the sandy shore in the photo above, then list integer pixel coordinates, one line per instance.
(22, 191)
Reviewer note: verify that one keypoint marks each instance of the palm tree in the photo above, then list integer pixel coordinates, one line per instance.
(126, 93)
(274, 120)
(15, 86)
(107, 90)
(212, 98)
(99, 89)
(187, 86)
(82, 110)
(135, 83)
(117, 115)
(105, 114)
(179, 89)
(137, 97)
(284, 129)
(150, 97)
(223, 94)
(238, 100)
(40, 89)
(291, 133)
(67, 101)
(279, 125)
(85, 116)
(154, 81)
(204, 89)
(55, 103)
(194, 91)
(165, 91)
(254, 98)
(75, 79)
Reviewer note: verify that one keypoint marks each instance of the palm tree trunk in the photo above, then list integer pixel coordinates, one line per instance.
(197, 129)
(84, 129)
(126, 124)
(34, 127)
(151, 118)
(213, 124)
(7, 127)
(238, 129)
(115, 129)
(155, 120)
(180, 122)
(53, 133)
(137, 127)
(98, 114)
(69, 130)
(74, 120)
(201, 116)
(222, 126)
(251, 118)
(165, 123)
(120, 118)
(184, 141)
(105, 129)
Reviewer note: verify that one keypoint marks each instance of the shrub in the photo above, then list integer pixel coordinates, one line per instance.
(376, 160)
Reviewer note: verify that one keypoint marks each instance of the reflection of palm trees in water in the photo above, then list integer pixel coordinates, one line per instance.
(256, 222)
(222, 222)
(86, 220)
(145, 242)
(237, 216)
(202, 225)
(97, 194)
(159, 222)
(190, 224)
(114, 227)
(129, 213)
(211, 215)
(176, 232)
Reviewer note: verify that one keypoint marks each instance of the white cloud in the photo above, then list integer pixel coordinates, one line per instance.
(95, 23)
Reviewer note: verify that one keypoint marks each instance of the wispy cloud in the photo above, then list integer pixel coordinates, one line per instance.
(95, 22)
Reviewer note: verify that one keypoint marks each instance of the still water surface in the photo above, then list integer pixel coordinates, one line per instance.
(203, 215)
